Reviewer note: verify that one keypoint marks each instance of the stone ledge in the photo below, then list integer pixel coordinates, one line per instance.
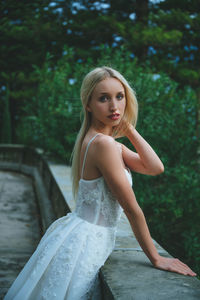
(140, 281)
(129, 275)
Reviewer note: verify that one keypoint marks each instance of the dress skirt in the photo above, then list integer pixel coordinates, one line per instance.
(66, 262)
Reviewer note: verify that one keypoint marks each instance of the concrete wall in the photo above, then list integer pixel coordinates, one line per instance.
(30, 161)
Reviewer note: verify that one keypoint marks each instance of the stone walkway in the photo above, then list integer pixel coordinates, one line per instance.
(19, 225)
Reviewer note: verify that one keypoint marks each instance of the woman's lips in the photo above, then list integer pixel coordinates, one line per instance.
(114, 116)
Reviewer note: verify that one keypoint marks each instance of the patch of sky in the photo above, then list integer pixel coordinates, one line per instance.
(74, 11)
(53, 43)
(190, 57)
(69, 31)
(52, 4)
(72, 81)
(46, 8)
(114, 44)
(118, 38)
(173, 59)
(187, 26)
(77, 6)
(151, 50)
(58, 10)
(69, 106)
(176, 59)
(167, 89)
(3, 87)
(156, 1)
(79, 60)
(151, 24)
(95, 6)
(155, 77)
(100, 6)
(78, 33)
(64, 23)
(187, 48)
(98, 47)
(132, 16)
(132, 55)
(194, 138)
(194, 47)
(16, 22)
(193, 16)
(64, 52)
(191, 47)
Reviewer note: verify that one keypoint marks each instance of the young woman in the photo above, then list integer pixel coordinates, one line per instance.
(70, 254)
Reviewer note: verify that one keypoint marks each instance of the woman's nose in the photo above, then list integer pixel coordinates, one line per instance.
(113, 105)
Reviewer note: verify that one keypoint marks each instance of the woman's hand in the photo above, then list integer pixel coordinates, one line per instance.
(123, 129)
(173, 265)
(144, 160)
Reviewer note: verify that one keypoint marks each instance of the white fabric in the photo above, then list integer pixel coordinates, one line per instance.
(70, 254)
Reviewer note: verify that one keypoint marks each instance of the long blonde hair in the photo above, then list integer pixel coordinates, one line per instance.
(88, 85)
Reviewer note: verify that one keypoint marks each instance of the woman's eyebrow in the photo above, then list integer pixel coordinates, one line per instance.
(103, 93)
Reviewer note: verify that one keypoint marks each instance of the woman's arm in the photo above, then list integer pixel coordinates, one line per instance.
(141, 231)
(145, 161)
(108, 161)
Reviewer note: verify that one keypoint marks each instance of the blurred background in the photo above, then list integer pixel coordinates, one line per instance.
(46, 48)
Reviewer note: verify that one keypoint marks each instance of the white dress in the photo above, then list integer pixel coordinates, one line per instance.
(70, 254)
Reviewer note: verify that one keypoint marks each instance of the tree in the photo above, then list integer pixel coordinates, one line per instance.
(6, 134)
(28, 31)
(163, 35)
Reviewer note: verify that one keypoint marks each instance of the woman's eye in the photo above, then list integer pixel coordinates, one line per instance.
(120, 96)
(103, 98)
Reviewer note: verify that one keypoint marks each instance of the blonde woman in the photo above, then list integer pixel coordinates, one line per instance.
(69, 256)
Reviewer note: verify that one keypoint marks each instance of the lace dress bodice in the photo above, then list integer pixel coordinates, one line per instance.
(95, 202)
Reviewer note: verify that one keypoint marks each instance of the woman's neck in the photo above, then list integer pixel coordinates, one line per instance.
(105, 130)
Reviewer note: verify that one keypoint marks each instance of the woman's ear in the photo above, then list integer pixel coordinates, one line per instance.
(88, 108)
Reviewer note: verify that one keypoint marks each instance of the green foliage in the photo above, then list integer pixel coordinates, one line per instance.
(167, 119)
(164, 34)
(6, 134)
(51, 116)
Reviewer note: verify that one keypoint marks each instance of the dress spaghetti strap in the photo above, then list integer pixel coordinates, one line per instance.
(86, 151)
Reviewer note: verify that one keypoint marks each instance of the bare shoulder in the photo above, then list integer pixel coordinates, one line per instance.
(106, 155)
(105, 151)
(104, 142)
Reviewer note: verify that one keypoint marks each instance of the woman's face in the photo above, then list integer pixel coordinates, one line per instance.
(107, 103)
